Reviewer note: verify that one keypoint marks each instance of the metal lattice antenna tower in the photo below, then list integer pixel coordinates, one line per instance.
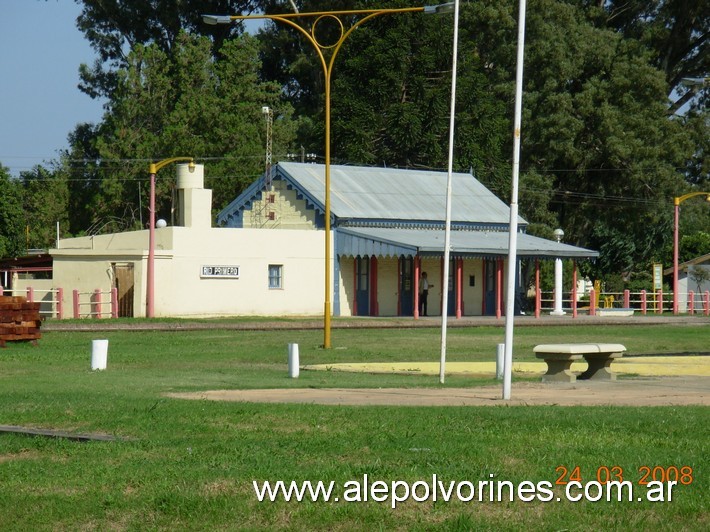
(269, 114)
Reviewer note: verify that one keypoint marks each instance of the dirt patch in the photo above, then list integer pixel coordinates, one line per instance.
(664, 391)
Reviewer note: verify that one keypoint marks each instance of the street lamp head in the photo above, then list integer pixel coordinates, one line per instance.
(213, 20)
(441, 9)
(265, 109)
(191, 166)
(559, 233)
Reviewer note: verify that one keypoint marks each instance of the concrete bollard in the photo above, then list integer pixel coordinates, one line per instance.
(99, 354)
(500, 360)
(293, 364)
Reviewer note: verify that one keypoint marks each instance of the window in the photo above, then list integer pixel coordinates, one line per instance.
(275, 276)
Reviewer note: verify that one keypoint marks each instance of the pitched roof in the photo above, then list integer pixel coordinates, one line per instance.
(388, 194)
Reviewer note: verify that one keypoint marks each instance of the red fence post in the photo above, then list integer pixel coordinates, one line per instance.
(707, 302)
(592, 299)
(75, 303)
(30, 294)
(643, 301)
(660, 301)
(573, 296)
(691, 302)
(114, 302)
(60, 303)
(627, 299)
(97, 303)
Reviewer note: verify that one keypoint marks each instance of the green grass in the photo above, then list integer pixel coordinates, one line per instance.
(191, 463)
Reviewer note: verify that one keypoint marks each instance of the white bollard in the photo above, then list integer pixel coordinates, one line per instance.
(293, 366)
(500, 360)
(99, 354)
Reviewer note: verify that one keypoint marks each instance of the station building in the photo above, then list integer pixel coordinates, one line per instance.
(265, 256)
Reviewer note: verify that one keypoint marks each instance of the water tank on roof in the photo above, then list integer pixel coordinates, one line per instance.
(187, 179)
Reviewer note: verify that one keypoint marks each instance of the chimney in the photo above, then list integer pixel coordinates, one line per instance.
(194, 201)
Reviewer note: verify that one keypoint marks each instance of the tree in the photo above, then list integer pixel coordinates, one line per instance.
(12, 218)
(676, 33)
(596, 120)
(45, 203)
(182, 104)
(115, 27)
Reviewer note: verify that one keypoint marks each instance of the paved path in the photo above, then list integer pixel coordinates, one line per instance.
(654, 391)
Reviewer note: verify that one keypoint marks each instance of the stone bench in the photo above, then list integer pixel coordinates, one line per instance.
(559, 358)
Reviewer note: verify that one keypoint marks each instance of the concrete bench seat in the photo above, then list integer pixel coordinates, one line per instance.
(559, 358)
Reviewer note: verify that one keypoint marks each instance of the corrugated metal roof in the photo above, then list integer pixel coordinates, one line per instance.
(367, 193)
(382, 241)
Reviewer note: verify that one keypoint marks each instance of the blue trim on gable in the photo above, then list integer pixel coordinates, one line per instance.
(232, 215)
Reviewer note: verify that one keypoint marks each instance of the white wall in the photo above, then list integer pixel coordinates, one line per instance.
(85, 264)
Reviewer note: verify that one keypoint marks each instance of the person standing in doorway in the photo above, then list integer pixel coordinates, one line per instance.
(423, 294)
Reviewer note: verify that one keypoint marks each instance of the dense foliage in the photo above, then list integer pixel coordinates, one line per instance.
(612, 128)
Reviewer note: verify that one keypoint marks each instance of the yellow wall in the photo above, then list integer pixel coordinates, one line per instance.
(289, 212)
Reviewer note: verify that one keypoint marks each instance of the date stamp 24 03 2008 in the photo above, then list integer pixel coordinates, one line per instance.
(681, 475)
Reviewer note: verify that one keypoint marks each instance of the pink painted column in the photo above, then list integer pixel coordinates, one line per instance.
(114, 303)
(30, 294)
(627, 299)
(707, 302)
(355, 274)
(643, 302)
(691, 302)
(574, 289)
(592, 299)
(75, 303)
(97, 303)
(659, 295)
(417, 269)
(60, 303)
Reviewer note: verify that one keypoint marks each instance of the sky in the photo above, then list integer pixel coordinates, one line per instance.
(40, 104)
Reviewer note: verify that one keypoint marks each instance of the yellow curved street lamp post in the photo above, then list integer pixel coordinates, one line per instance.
(291, 19)
(150, 277)
(676, 202)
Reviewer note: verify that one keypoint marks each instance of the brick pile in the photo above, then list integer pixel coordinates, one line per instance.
(19, 320)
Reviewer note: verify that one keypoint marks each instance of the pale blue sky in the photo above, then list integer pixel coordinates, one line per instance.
(40, 53)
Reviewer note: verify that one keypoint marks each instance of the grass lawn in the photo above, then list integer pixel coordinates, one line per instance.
(190, 464)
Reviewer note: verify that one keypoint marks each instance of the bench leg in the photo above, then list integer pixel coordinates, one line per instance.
(559, 371)
(598, 369)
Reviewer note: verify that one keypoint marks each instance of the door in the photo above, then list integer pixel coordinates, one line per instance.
(453, 282)
(362, 285)
(406, 286)
(490, 291)
(123, 281)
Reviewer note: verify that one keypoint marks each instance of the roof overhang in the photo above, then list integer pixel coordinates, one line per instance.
(392, 242)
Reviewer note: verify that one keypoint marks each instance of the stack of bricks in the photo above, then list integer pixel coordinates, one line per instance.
(19, 320)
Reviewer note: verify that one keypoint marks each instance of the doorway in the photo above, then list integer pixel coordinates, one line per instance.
(362, 285)
(123, 281)
(406, 288)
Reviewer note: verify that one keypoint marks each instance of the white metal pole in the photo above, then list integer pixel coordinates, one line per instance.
(447, 230)
(513, 228)
(558, 289)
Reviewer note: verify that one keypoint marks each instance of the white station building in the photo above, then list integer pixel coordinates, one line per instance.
(266, 257)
